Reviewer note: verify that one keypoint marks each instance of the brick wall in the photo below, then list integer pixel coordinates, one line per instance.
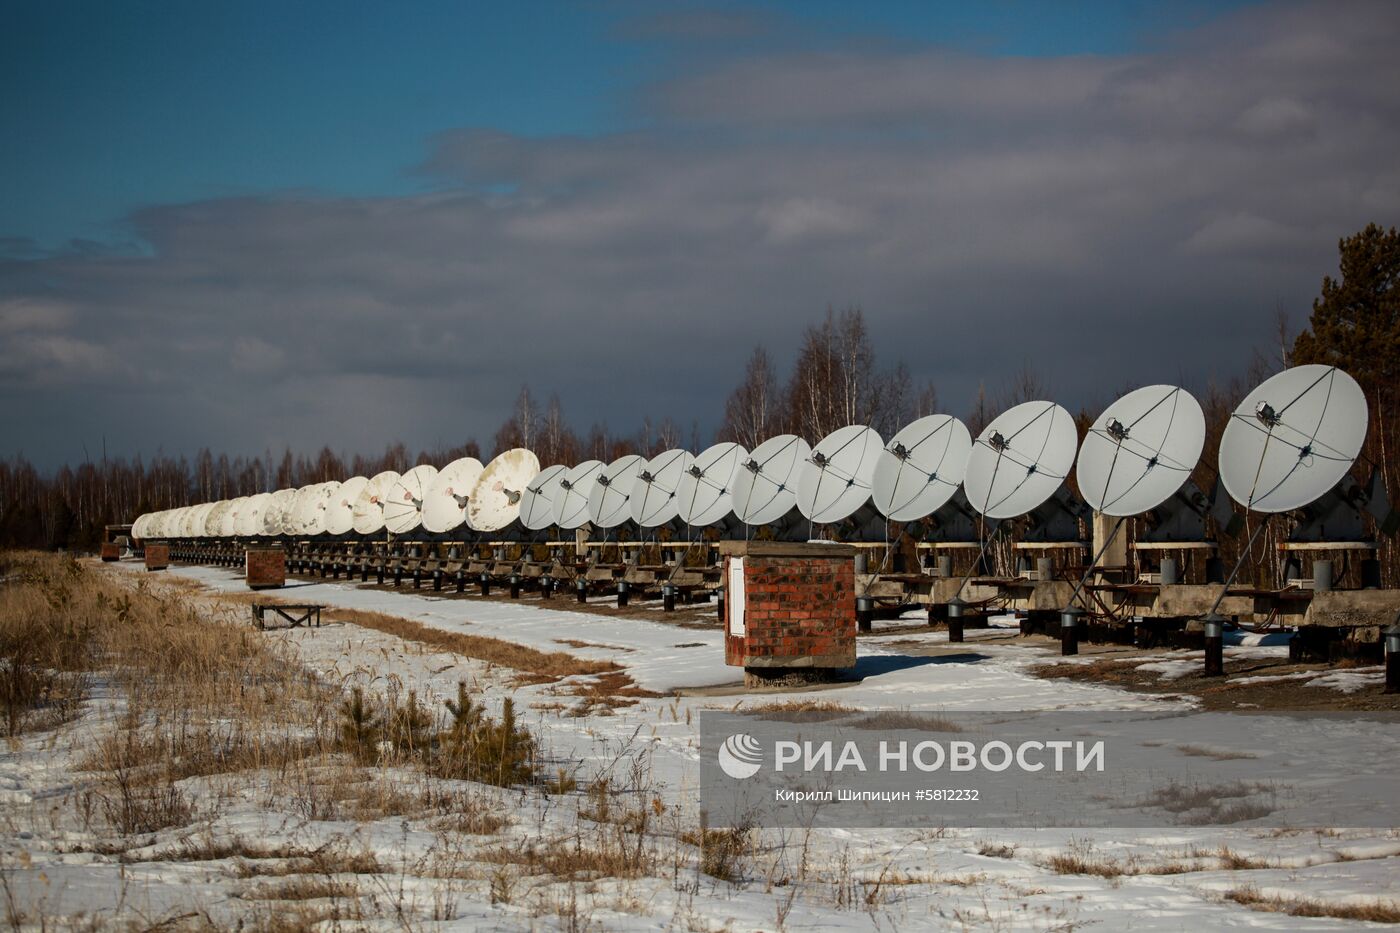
(157, 556)
(799, 612)
(264, 567)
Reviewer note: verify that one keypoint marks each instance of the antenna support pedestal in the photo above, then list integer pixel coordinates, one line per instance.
(865, 613)
(1392, 659)
(1215, 645)
(957, 614)
(668, 598)
(1069, 631)
(623, 594)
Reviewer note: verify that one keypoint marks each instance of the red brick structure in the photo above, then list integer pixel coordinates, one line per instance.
(111, 551)
(264, 567)
(790, 610)
(157, 555)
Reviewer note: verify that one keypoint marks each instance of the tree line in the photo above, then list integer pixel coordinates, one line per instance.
(834, 380)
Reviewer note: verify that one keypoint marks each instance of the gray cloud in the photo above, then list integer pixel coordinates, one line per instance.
(1112, 220)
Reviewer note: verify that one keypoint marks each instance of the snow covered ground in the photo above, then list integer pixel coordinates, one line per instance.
(887, 879)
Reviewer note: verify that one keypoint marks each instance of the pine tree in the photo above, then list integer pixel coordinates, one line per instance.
(1355, 322)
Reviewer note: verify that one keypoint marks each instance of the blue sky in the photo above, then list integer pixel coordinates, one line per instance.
(109, 107)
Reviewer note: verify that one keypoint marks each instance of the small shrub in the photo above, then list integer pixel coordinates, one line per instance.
(359, 727)
(477, 747)
(409, 728)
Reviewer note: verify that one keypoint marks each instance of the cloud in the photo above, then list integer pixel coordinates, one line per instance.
(1114, 220)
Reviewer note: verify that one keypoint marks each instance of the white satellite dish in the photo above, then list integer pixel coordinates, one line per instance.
(537, 504)
(250, 519)
(275, 515)
(571, 504)
(1141, 450)
(340, 506)
(291, 518)
(1293, 438)
(1020, 459)
(765, 485)
(495, 499)
(655, 499)
(445, 506)
(704, 490)
(368, 511)
(403, 506)
(206, 528)
(835, 480)
(228, 525)
(214, 518)
(186, 523)
(608, 504)
(921, 468)
(313, 520)
(138, 527)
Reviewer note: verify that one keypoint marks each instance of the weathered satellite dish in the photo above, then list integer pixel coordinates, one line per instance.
(186, 522)
(291, 518)
(138, 527)
(201, 515)
(571, 504)
(835, 479)
(340, 506)
(608, 504)
(1293, 438)
(537, 504)
(765, 485)
(316, 521)
(312, 514)
(228, 525)
(213, 518)
(1141, 450)
(250, 524)
(654, 500)
(1020, 459)
(445, 506)
(403, 506)
(201, 520)
(705, 487)
(275, 515)
(921, 468)
(368, 511)
(495, 499)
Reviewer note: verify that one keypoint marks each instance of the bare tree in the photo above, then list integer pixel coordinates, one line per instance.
(750, 412)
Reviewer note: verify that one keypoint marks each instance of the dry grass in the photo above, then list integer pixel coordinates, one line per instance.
(579, 643)
(1197, 751)
(807, 710)
(902, 719)
(601, 695)
(1213, 804)
(1081, 858)
(1370, 911)
(303, 888)
(481, 647)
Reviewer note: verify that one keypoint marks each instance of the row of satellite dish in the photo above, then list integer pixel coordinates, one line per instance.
(1289, 442)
